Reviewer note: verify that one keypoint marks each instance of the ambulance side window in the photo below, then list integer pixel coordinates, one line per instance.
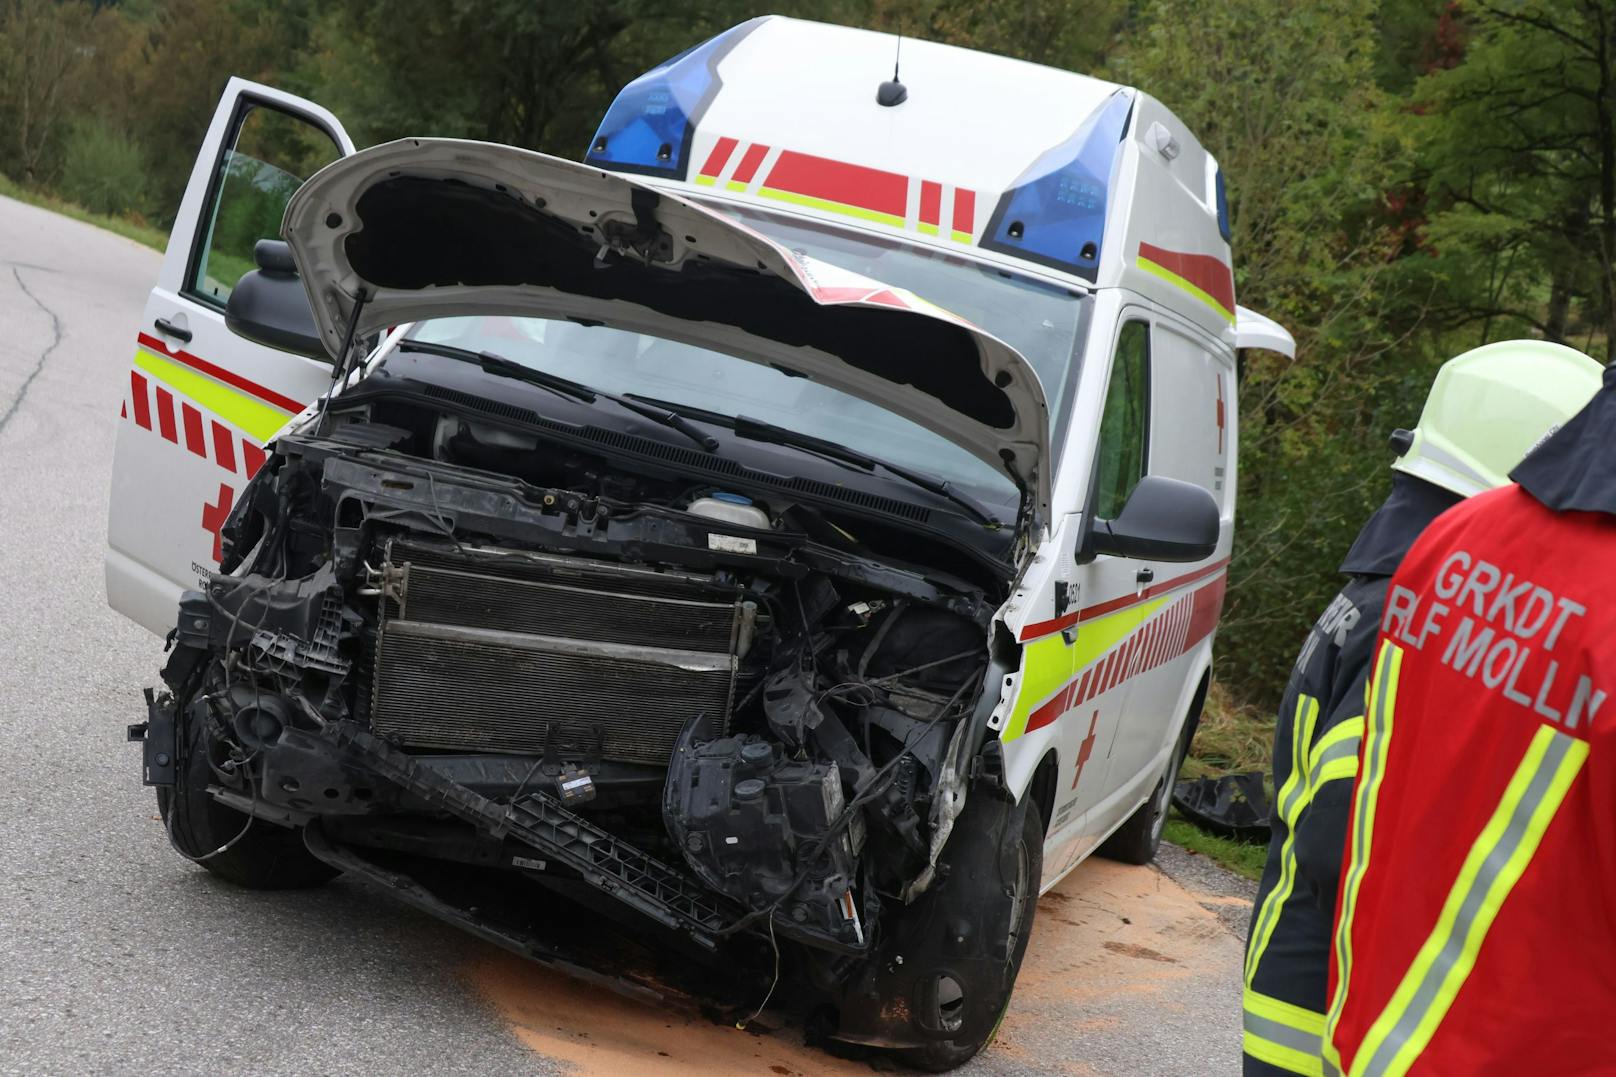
(268, 156)
(1124, 426)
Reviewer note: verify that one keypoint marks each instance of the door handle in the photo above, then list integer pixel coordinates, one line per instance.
(1144, 575)
(168, 327)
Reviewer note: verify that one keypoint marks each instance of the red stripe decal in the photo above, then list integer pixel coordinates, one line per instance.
(838, 181)
(123, 411)
(141, 398)
(194, 439)
(964, 210)
(719, 157)
(165, 415)
(229, 377)
(1206, 272)
(224, 447)
(931, 202)
(252, 458)
(749, 164)
(1204, 616)
(1044, 628)
(1162, 640)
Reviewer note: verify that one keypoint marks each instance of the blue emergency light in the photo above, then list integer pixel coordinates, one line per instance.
(1055, 211)
(649, 127)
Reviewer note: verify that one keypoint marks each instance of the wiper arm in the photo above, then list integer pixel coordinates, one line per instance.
(502, 367)
(757, 430)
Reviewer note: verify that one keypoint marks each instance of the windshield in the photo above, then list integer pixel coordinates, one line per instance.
(1041, 321)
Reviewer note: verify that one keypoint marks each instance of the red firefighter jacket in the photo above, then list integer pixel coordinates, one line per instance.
(1476, 923)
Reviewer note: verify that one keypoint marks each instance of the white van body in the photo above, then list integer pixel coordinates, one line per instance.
(993, 178)
(983, 148)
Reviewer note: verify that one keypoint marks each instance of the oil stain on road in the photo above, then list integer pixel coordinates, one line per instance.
(1120, 959)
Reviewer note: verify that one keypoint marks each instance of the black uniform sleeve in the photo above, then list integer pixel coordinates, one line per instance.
(1321, 830)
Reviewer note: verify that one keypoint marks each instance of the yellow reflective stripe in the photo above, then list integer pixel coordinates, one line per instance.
(258, 419)
(832, 207)
(1291, 799)
(1177, 281)
(1335, 770)
(1282, 1055)
(1048, 663)
(1381, 706)
(1495, 863)
(1284, 1013)
(1346, 729)
(1282, 1034)
(1046, 666)
(706, 181)
(1335, 756)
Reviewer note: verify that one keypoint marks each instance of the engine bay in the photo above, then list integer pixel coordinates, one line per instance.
(739, 693)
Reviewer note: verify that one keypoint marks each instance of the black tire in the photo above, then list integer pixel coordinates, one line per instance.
(266, 856)
(1025, 869)
(1136, 841)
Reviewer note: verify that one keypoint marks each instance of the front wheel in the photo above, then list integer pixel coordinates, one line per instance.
(248, 852)
(1017, 874)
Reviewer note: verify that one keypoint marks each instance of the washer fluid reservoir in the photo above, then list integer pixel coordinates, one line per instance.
(730, 508)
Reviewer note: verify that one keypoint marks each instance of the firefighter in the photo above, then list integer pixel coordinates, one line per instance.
(1485, 410)
(1475, 931)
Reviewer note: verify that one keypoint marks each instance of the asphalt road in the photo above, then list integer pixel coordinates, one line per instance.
(117, 956)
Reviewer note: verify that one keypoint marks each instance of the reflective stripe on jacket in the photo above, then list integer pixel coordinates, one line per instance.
(1315, 759)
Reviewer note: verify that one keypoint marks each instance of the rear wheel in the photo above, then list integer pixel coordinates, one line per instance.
(1136, 841)
(255, 854)
(1023, 868)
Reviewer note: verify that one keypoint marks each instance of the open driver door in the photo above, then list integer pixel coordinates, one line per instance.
(201, 402)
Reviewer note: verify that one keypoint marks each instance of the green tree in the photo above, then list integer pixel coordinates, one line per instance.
(42, 54)
(1517, 153)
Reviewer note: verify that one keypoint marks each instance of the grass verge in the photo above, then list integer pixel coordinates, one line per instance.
(137, 230)
(1236, 856)
(1231, 739)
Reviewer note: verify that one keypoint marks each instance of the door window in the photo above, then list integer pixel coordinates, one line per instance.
(268, 156)
(1124, 425)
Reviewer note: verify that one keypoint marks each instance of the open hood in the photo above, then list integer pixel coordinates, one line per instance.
(433, 228)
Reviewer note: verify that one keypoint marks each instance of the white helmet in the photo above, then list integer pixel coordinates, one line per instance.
(1491, 406)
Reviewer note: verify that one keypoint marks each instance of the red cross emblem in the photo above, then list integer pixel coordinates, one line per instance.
(1086, 750)
(214, 515)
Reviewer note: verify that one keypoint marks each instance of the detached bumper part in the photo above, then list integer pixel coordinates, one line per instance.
(157, 740)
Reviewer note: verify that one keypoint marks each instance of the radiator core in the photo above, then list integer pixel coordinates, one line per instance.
(497, 651)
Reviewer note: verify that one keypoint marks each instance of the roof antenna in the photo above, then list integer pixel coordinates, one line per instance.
(894, 93)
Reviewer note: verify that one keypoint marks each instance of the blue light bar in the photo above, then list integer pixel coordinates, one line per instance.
(1223, 206)
(1054, 213)
(649, 127)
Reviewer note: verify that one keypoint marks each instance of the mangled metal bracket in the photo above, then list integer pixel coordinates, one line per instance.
(604, 861)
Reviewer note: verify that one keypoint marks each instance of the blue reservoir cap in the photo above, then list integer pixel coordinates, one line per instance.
(732, 499)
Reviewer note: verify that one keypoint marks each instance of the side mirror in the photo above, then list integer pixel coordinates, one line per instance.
(269, 306)
(1163, 520)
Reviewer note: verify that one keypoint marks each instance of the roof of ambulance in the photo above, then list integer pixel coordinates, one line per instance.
(799, 83)
(1028, 167)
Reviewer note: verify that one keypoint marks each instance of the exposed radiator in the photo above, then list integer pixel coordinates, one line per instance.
(490, 650)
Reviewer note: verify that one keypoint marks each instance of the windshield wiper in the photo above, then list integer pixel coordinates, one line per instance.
(502, 367)
(758, 430)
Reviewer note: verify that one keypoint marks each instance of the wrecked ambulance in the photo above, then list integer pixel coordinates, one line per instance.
(790, 528)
